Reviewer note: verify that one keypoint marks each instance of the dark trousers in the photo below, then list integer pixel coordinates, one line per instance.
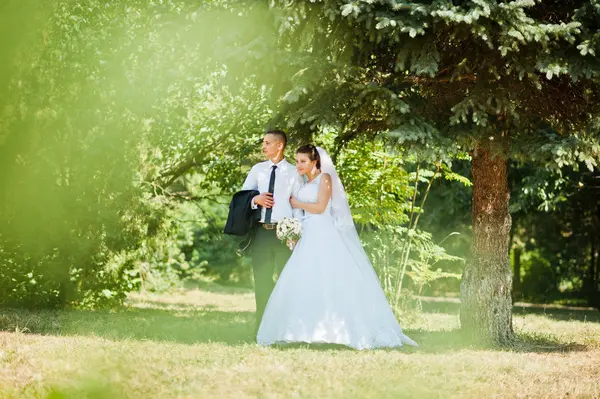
(269, 256)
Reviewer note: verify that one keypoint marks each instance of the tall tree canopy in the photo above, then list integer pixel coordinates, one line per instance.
(499, 79)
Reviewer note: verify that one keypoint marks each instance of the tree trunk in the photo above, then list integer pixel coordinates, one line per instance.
(486, 310)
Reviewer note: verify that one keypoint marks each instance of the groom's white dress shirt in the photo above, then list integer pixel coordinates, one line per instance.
(287, 183)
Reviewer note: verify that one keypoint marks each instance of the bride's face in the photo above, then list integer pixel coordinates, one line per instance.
(304, 164)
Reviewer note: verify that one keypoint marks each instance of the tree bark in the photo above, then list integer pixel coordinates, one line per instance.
(486, 310)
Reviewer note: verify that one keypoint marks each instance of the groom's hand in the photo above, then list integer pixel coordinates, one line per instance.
(265, 200)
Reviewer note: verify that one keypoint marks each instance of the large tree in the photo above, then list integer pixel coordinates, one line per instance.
(499, 79)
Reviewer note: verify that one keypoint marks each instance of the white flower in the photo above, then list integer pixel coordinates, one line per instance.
(289, 229)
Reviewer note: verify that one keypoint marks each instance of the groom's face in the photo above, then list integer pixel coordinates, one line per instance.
(272, 146)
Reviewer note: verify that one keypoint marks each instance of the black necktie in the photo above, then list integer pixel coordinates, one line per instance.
(271, 190)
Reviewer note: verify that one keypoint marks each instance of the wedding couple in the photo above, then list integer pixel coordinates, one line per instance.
(327, 291)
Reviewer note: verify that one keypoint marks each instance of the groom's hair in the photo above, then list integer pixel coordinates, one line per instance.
(280, 134)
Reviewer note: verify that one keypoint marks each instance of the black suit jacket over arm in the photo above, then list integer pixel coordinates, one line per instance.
(242, 218)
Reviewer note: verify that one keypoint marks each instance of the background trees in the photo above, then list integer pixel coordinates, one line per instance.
(104, 105)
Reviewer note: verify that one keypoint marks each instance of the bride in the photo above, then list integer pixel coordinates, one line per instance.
(328, 291)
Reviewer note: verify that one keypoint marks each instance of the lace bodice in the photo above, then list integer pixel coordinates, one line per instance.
(309, 192)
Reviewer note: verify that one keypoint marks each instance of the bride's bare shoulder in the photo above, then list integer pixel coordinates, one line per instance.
(325, 179)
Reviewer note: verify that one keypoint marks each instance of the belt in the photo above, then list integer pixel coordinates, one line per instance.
(269, 226)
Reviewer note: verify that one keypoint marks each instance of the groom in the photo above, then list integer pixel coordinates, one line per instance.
(276, 179)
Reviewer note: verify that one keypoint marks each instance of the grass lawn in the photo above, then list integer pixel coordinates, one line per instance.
(199, 344)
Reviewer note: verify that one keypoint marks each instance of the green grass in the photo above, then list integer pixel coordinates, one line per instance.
(199, 344)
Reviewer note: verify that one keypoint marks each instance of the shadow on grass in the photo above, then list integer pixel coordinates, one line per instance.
(561, 313)
(217, 288)
(231, 328)
(453, 340)
(456, 340)
(314, 347)
(188, 324)
(177, 325)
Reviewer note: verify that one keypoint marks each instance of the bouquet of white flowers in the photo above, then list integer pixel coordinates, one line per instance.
(289, 231)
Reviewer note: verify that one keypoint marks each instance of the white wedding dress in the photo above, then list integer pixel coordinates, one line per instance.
(328, 291)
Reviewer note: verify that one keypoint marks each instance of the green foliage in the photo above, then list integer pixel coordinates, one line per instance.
(556, 217)
(107, 105)
(376, 182)
(390, 251)
(383, 196)
(476, 72)
(206, 250)
(539, 282)
(71, 164)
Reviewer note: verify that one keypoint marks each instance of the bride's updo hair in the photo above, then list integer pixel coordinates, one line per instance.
(312, 153)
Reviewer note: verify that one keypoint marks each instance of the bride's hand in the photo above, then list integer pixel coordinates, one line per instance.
(294, 202)
(291, 244)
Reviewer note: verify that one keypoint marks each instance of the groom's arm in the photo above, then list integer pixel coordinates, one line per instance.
(297, 212)
(265, 199)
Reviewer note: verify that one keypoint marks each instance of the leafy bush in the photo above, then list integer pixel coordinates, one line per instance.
(538, 278)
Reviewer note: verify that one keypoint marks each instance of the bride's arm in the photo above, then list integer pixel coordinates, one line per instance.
(322, 198)
(297, 212)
